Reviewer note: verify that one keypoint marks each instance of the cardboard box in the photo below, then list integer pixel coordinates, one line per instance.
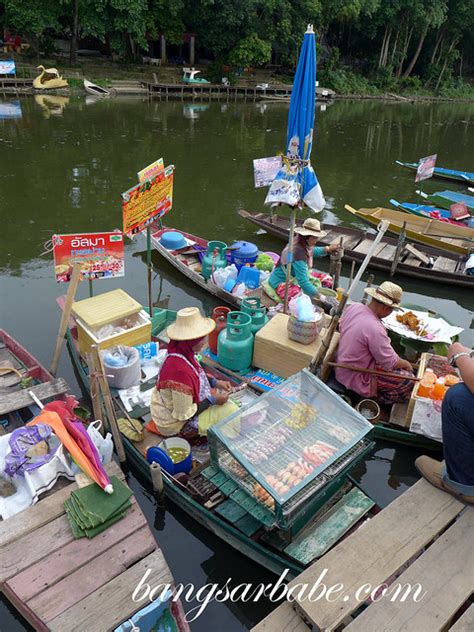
(275, 352)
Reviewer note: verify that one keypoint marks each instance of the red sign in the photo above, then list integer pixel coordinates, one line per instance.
(459, 211)
(148, 201)
(101, 255)
(426, 168)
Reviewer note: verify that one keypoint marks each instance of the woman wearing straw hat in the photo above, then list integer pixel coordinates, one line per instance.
(185, 401)
(304, 249)
(364, 343)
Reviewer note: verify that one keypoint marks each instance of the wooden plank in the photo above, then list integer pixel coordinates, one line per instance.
(46, 510)
(111, 604)
(63, 595)
(445, 572)
(364, 246)
(417, 253)
(50, 570)
(378, 550)
(399, 415)
(351, 241)
(464, 623)
(445, 264)
(35, 546)
(385, 251)
(20, 399)
(410, 260)
(282, 619)
(332, 526)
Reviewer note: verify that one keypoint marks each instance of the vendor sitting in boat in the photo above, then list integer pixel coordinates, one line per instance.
(185, 400)
(304, 249)
(364, 344)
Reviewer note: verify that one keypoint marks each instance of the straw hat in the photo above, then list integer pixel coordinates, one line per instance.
(190, 324)
(311, 228)
(387, 293)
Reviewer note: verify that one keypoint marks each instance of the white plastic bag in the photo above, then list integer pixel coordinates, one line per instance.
(222, 275)
(302, 308)
(239, 290)
(105, 446)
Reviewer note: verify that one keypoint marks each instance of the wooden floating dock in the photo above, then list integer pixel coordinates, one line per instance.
(201, 91)
(58, 583)
(14, 84)
(424, 537)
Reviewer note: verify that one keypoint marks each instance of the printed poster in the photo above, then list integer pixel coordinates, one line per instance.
(151, 171)
(7, 67)
(426, 167)
(101, 254)
(148, 201)
(265, 170)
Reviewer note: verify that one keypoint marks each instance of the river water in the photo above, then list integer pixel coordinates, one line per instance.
(64, 163)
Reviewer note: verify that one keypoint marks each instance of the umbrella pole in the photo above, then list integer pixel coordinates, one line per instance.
(382, 227)
(290, 257)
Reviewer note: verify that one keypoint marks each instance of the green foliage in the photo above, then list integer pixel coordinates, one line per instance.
(251, 51)
(346, 82)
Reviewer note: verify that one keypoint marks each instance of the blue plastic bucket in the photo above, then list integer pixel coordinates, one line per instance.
(157, 454)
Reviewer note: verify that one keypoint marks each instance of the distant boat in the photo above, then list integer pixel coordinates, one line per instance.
(441, 172)
(96, 90)
(425, 210)
(458, 239)
(445, 199)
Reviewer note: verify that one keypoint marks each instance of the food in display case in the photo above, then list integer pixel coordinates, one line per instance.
(294, 439)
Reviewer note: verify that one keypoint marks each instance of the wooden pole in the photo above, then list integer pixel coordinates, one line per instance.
(382, 228)
(365, 298)
(397, 376)
(289, 258)
(94, 390)
(109, 405)
(398, 252)
(338, 264)
(326, 341)
(150, 269)
(351, 276)
(71, 293)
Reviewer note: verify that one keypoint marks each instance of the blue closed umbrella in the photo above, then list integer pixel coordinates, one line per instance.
(296, 182)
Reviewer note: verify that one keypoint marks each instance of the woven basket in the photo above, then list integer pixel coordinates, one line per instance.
(301, 331)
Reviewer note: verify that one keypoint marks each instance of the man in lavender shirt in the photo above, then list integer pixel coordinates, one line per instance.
(364, 343)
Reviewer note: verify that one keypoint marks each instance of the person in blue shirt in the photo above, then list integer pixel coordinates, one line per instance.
(304, 249)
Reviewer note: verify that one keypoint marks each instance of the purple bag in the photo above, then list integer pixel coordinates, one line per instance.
(17, 462)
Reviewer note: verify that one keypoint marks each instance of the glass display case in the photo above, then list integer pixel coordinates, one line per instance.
(287, 445)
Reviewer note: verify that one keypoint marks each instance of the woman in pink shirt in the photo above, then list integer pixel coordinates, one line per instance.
(364, 343)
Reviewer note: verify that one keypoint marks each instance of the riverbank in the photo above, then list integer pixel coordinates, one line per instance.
(346, 84)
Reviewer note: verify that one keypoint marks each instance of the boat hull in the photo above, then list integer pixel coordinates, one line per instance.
(441, 172)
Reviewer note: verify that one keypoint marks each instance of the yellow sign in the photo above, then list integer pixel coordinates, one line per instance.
(151, 171)
(148, 201)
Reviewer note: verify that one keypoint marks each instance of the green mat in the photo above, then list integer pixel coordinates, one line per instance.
(90, 510)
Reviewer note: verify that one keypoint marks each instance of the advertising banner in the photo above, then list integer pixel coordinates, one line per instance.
(151, 171)
(101, 255)
(426, 167)
(265, 170)
(148, 201)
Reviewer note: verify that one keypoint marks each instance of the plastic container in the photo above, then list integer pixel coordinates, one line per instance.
(172, 240)
(425, 389)
(235, 343)
(439, 389)
(242, 253)
(250, 277)
(159, 455)
(214, 258)
(219, 315)
(122, 376)
(256, 311)
(451, 380)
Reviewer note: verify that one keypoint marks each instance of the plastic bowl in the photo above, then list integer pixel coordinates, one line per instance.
(274, 256)
(158, 454)
(172, 240)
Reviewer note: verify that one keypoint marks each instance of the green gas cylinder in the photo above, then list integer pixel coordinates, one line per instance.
(214, 258)
(235, 343)
(256, 311)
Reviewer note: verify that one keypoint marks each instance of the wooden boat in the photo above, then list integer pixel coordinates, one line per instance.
(441, 172)
(447, 198)
(457, 239)
(249, 532)
(21, 373)
(447, 267)
(187, 261)
(98, 91)
(426, 210)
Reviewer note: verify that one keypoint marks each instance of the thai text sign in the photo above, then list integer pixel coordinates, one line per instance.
(148, 201)
(101, 255)
(426, 168)
(459, 211)
(151, 171)
(265, 170)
